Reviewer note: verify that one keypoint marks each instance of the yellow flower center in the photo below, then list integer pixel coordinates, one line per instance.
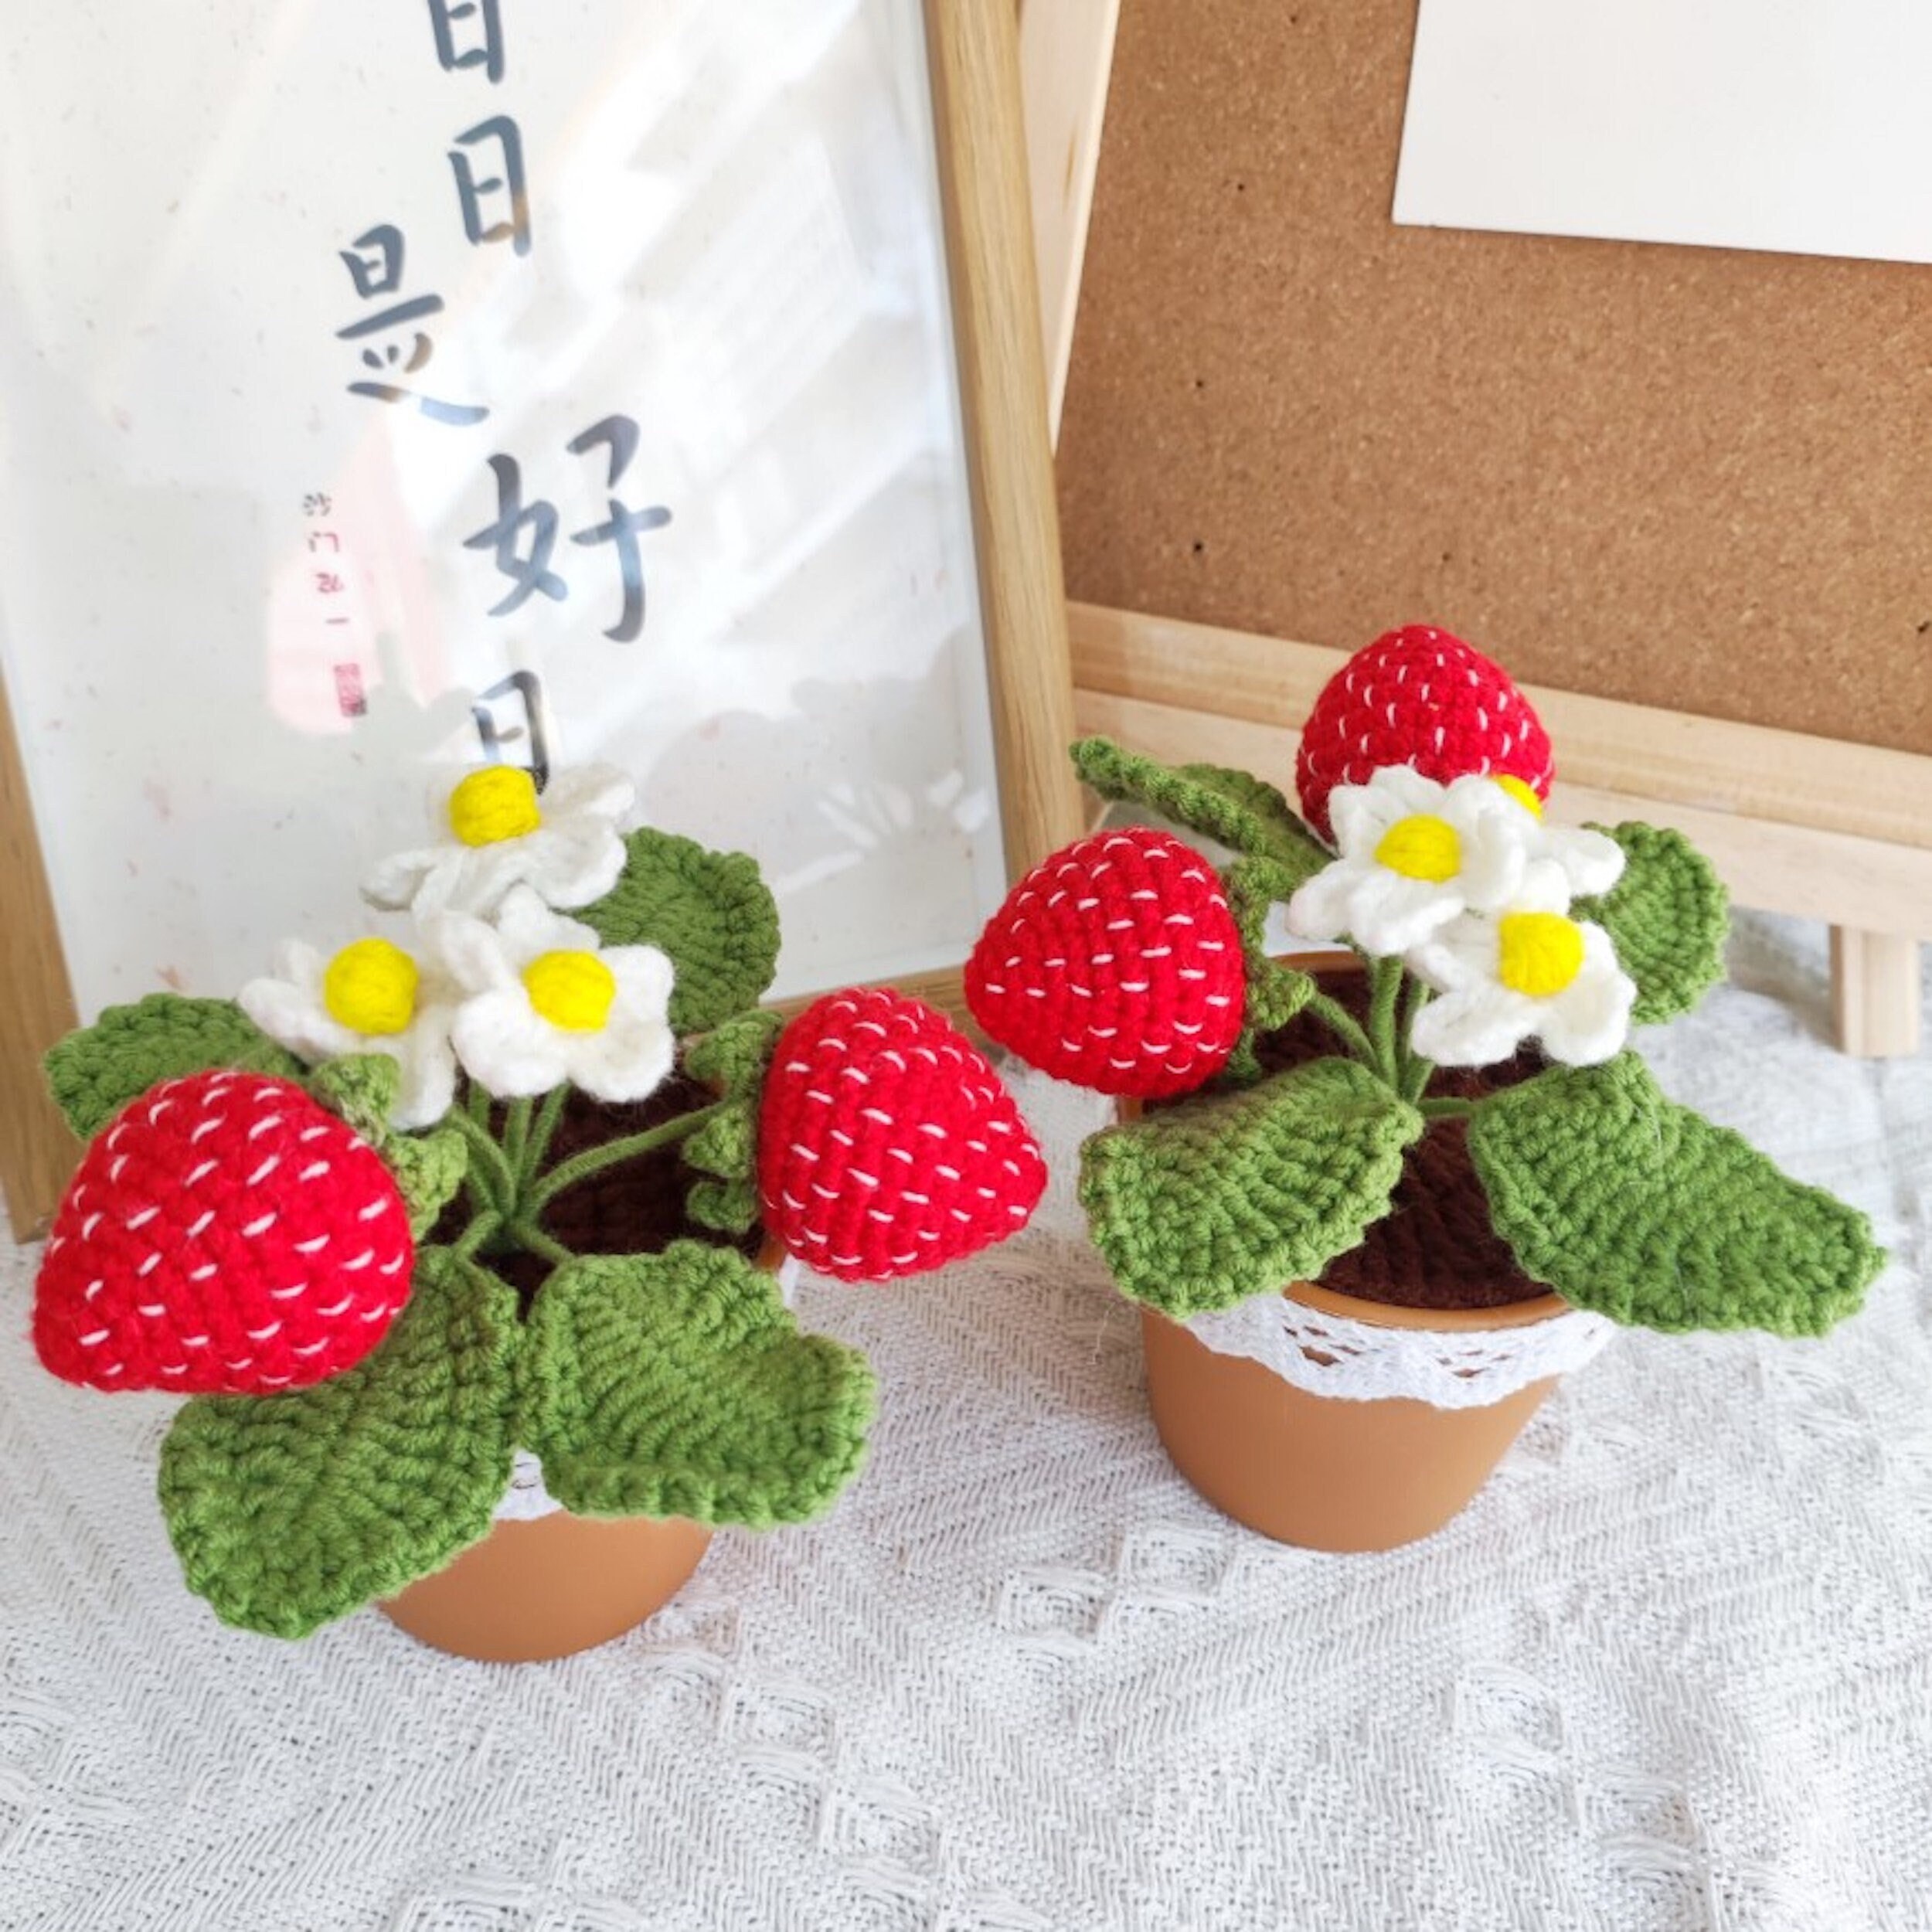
(370, 987)
(1524, 795)
(1539, 954)
(572, 990)
(1423, 846)
(497, 803)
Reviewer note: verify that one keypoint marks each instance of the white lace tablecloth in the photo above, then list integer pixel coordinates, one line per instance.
(1673, 1669)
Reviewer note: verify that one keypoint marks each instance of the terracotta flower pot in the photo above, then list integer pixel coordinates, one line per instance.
(550, 1586)
(1327, 1472)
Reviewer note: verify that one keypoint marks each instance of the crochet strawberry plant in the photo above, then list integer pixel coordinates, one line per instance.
(1504, 960)
(374, 1215)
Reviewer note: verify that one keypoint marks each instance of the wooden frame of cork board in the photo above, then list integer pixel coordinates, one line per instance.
(971, 56)
(1673, 490)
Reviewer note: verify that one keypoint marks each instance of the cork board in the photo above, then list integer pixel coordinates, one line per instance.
(1686, 478)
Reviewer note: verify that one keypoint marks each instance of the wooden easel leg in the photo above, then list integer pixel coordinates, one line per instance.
(1875, 993)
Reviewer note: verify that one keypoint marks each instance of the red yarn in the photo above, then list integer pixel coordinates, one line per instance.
(1115, 964)
(887, 1145)
(224, 1235)
(1418, 697)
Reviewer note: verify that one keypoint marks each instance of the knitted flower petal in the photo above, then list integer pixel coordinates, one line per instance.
(1475, 1025)
(571, 855)
(506, 1048)
(1587, 1023)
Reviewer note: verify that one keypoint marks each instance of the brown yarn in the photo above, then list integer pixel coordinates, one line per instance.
(1435, 1248)
(637, 1208)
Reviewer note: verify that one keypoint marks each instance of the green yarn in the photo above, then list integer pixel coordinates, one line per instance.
(1275, 992)
(710, 911)
(1243, 812)
(1668, 917)
(731, 1061)
(725, 1147)
(1626, 1203)
(729, 1207)
(677, 1385)
(428, 1168)
(94, 1073)
(286, 1511)
(1205, 1203)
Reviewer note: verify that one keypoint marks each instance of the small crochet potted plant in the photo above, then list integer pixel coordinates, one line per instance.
(469, 1251)
(1372, 1205)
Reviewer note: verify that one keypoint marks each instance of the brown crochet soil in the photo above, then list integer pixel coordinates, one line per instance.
(636, 1208)
(1435, 1248)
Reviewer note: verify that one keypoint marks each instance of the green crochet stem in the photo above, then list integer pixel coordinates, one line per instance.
(545, 1129)
(1343, 1024)
(594, 1159)
(516, 1135)
(493, 1183)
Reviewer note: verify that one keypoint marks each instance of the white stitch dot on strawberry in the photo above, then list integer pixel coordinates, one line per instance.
(261, 1224)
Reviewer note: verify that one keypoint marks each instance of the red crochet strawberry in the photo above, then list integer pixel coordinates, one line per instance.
(225, 1235)
(1417, 697)
(1114, 963)
(887, 1145)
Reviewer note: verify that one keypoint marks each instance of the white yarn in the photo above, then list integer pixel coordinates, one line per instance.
(1667, 1673)
(1332, 1354)
(526, 1498)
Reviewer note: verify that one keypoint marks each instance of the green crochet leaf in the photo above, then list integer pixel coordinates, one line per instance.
(1206, 1203)
(286, 1511)
(1241, 811)
(93, 1074)
(731, 1207)
(1275, 992)
(428, 1168)
(726, 1144)
(710, 911)
(1669, 916)
(1626, 1203)
(731, 1060)
(677, 1385)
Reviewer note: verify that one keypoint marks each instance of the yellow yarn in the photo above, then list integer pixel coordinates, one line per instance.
(1422, 846)
(1539, 953)
(1524, 795)
(571, 990)
(497, 803)
(370, 987)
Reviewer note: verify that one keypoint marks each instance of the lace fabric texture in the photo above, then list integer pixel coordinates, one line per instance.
(1669, 1672)
(1332, 1354)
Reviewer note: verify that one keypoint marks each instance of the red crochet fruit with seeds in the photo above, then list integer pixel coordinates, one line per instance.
(224, 1236)
(1115, 964)
(886, 1142)
(1418, 697)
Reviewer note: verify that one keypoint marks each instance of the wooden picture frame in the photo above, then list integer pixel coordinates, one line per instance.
(1289, 419)
(972, 53)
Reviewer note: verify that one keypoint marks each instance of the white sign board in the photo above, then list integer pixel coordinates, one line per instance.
(1791, 125)
(388, 388)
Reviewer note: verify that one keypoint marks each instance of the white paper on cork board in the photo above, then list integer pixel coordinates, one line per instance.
(1796, 126)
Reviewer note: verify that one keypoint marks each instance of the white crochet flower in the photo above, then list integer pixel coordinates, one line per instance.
(563, 844)
(1591, 861)
(1530, 973)
(1415, 854)
(547, 1003)
(369, 998)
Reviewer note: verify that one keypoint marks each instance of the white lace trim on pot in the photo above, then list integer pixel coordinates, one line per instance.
(526, 1498)
(1332, 1354)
